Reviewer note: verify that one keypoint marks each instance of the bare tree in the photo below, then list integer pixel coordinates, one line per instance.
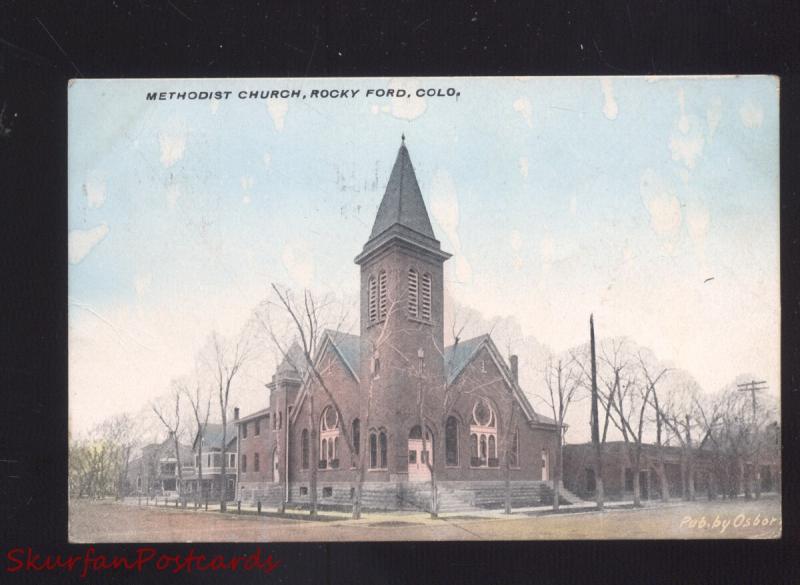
(168, 411)
(199, 399)
(626, 397)
(649, 370)
(307, 320)
(677, 411)
(563, 378)
(224, 359)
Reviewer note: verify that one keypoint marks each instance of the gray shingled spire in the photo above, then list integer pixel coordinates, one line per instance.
(402, 202)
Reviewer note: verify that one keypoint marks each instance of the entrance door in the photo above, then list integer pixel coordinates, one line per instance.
(276, 467)
(545, 465)
(417, 457)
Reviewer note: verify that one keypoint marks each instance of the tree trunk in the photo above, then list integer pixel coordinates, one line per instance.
(557, 475)
(637, 494)
(508, 485)
(690, 479)
(314, 457)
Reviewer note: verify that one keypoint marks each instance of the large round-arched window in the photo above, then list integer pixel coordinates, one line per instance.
(482, 414)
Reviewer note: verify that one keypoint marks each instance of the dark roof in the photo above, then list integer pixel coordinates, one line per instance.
(213, 434)
(456, 357)
(348, 346)
(252, 415)
(402, 201)
(294, 362)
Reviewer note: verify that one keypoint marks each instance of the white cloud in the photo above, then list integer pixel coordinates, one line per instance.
(714, 117)
(687, 149)
(752, 115)
(247, 199)
(247, 182)
(445, 210)
(573, 205)
(662, 204)
(267, 159)
(610, 108)
(95, 189)
(81, 242)
(523, 166)
(524, 107)
(298, 260)
(407, 108)
(173, 145)
(687, 143)
(278, 109)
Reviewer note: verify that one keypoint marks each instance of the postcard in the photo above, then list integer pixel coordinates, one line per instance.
(373, 309)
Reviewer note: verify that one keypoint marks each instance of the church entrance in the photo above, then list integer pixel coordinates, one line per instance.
(418, 457)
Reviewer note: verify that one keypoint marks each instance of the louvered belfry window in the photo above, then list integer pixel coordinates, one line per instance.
(413, 293)
(426, 297)
(373, 300)
(382, 295)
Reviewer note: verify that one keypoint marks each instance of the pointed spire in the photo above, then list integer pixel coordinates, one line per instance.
(402, 202)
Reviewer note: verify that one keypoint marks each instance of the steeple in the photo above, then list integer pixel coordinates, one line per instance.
(402, 211)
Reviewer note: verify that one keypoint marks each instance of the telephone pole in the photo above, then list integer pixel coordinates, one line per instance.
(754, 386)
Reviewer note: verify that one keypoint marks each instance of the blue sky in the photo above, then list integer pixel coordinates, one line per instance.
(557, 196)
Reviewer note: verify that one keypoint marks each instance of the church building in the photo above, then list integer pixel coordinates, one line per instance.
(412, 408)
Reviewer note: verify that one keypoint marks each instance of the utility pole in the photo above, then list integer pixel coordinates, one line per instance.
(754, 386)
(596, 422)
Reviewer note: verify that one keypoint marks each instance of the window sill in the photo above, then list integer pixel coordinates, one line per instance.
(420, 321)
(377, 469)
(374, 323)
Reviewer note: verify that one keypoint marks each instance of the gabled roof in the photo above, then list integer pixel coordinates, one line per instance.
(294, 362)
(402, 201)
(213, 434)
(457, 358)
(349, 348)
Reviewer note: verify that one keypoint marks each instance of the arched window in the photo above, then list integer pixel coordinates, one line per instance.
(484, 430)
(356, 435)
(413, 293)
(373, 450)
(256, 463)
(451, 441)
(329, 438)
(513, 455)
(383, 446)
(244, 463)
(373, 299)
(383, 295)
(426, 297)
(378, 446)
(304, 447)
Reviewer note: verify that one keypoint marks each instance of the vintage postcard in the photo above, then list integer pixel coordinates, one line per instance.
(424, 309)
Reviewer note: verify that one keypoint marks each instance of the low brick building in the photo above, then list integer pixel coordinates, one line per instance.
(712, 478)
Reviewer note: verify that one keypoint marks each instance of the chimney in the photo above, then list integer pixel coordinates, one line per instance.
(514, 368)
(236, 413)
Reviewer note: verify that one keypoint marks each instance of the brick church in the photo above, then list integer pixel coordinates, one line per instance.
(410, 405)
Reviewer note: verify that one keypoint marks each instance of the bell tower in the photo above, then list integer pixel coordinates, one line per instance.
(401, 310)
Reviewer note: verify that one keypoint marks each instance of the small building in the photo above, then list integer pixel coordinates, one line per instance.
(205, 479)
(155, 471)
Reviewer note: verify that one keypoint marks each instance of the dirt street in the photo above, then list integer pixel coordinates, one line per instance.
(114, 522)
